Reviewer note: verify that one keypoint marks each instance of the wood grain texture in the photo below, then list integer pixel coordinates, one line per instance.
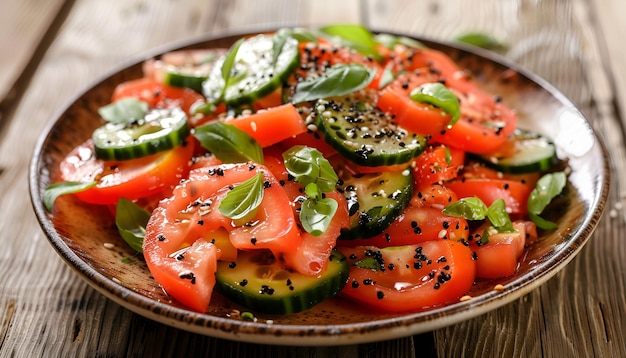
(47, 310)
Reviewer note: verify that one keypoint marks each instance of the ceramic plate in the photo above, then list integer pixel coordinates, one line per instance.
(79, 233)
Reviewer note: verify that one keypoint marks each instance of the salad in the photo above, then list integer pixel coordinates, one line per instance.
(302, 165)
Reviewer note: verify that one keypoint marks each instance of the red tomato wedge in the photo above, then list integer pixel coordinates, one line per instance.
(130, 179)
(159, 95)
(189, 220)
(515, 194)
(416, 225)
(311, 256)
(499, 257)
(270, 126)
(414, 116)
(409, 278)
(437, 164)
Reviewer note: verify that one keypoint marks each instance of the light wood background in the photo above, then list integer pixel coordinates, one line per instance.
(51, 50)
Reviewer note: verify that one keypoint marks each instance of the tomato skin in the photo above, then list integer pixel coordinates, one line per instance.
(437, 164)
(414, 116)
(270, 126)
(158, 95)
(130, 179)
(416, 225)
(423, 276)
(500, 256)
(515, 194)
(311, 256)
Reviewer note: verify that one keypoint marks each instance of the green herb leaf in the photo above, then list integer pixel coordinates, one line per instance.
(229, 143)
(484, 238)
(307, 165)
(468, 208)
(336, 81)
(547, 188)
(354, 36)
(387, 76)
(124, 111)
(439, 96)
(448, 156)
(390, 41)
(281, 36)
(53, 191)
(245, 198)
(498, 217)
(317, 214)
(229, 60)
(482, 40)
(131, 221)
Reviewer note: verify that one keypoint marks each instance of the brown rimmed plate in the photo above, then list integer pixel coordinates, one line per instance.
(79, 232)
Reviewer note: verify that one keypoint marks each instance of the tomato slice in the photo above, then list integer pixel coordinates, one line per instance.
(414, 116)
(130, 179)
(311, 256)
(437, 164)
(515, 194)
(484, 126)
(183, 236)
(499, 257)
(416, 225)
(270, 126)
(159, 95)
(409, 278)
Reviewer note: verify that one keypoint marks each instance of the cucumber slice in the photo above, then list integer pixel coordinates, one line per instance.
(374, 201)
(258, 281)
(159, 130)
(256, 71)
(525, 152)
(194, 72)
(364, 134)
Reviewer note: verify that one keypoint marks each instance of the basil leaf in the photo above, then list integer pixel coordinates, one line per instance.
(281, 36)
(439, 96)
(482, 40)
(244, 199)
(468, 208)
(53, 191)
(312, 191)
(547, 188)
(390, 41)
(229, 143)
(229, 60)
(307, 165)
(498, 217)
(356, 37)
(124, 111)
(316, 215)
(336, 81)
(131, 221)
(541, 222)
(387, 76)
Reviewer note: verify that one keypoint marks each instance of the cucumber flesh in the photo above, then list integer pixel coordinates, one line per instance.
(159, 130)
(526, 152)
(364, 134)
(258, 282)
(374, 201)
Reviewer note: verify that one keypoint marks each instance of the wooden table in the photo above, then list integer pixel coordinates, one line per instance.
(51, 50)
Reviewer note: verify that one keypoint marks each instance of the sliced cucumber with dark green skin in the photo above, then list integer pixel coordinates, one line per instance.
(374, 201)
(258, 282)
(159, 130)
(194, 73)
(256, 71)
(364, 134)
(527, 152)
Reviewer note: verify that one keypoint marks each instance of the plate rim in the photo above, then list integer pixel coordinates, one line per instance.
(336, 334)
